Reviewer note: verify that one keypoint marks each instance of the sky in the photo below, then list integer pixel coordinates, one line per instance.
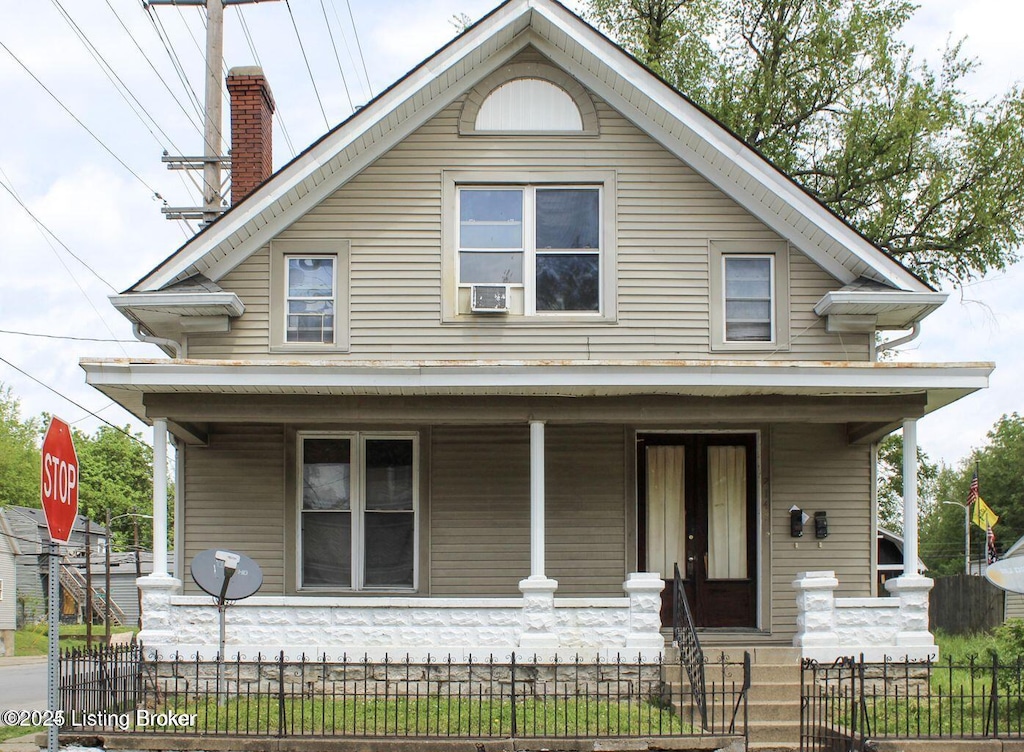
(85, 123)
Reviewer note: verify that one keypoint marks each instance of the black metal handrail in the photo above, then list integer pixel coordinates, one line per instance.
(684, 634)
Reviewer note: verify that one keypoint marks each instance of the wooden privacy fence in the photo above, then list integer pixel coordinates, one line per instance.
(963, 603)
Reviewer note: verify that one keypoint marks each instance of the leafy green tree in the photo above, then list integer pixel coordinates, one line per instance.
(890, 482)
(116, 474)
(826, 91)
(1001, 485)
(19, 453)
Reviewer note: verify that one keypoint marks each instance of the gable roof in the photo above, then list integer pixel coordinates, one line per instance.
(678, 124)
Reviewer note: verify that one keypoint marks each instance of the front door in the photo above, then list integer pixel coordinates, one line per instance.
(697, 507)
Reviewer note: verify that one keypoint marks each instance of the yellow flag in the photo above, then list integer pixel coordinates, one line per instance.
(982, 516)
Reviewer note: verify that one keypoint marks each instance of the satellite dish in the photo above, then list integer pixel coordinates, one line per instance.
(211, 567)
(1007, 574)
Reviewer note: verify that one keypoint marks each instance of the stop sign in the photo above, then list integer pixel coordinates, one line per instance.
(59, 480)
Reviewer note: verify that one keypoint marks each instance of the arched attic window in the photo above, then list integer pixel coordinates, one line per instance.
(530, 99)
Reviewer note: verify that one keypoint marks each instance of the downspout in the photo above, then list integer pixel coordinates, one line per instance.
(915, 332)
(162, 342)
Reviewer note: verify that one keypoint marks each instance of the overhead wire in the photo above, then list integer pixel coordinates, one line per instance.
(97, 139)
(164, 37)
(116, 81)
(159, 75)
(9, 187)
(68, 337)
(330, 34)
(359, 46)
(43, 384)
(256, 56)
(306, 59)
(348, 50)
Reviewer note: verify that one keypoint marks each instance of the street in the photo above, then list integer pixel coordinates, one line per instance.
(23, 684)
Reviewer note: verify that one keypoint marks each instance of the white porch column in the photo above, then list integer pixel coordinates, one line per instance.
(158, 621)
(536, 498)
(910, 497)
(539, 621)
(160, 497)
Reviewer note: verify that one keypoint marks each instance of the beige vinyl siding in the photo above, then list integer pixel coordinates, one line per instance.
(1014, 605)
(234, 498)
(666, 216)
(8, 606)
(480, 510)
(813, 467)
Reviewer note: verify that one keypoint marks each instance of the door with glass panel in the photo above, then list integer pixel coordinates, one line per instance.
(698, 508)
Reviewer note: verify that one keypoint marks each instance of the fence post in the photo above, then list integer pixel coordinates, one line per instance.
(513, 695)
(861, 729)
(995, 694)
(280, 695)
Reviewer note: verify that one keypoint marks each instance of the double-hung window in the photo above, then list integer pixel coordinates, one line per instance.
(545, 240)
(311, 299)
(749, 282)
(357, 509)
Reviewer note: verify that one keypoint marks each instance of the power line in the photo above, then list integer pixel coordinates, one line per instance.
(348, 49)
(159, 75)
(68, 399)
(165, 40)
(330, 33)
(359, 47)
(116, 81)
(42, 225)
(306, 59)
(256, 55)
(68, 337)
(156, 194)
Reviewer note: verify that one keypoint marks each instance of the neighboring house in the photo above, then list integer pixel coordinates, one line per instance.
(123, 575)
(523, 333)
(9, 552)
(889, 558)
(1014, 601)
(29, 525)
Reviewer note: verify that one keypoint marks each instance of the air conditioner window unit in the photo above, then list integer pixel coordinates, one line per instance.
(489, 298)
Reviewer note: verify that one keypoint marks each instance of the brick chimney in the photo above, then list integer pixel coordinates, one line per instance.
(252, 111)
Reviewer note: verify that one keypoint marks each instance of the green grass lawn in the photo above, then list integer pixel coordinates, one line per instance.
(34, 640)
(13, 732)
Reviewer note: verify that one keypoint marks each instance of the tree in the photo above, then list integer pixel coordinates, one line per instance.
(826, 91)
(890, 482)
(19, 454)
(1001, 486)
(116, 474)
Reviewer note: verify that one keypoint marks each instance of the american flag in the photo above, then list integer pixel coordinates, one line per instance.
(972, 495)
(993, 555)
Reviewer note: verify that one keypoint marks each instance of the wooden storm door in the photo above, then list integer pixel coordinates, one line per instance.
(698, 508)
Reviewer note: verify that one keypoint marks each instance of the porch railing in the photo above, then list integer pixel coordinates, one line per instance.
(847, 704)
(684, 635)
(515, 697)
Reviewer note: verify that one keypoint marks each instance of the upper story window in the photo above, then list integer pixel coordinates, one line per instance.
(749, 295)
(312, 286)
(544, 240)
(309, 294)
(749, 283)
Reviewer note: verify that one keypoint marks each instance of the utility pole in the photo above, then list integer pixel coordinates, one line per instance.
(212, 159)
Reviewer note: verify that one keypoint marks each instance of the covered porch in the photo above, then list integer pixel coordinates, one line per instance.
(543, 467)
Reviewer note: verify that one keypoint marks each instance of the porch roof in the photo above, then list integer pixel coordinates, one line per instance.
(128, 381)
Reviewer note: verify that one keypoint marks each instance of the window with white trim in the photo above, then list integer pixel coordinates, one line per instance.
(310, 299)
(358, 511)
(545, 240)
(748, 295)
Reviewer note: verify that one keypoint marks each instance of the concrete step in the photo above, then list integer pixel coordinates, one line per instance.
(775, 732)
(772, 747)
(759, 711)
(774, 693)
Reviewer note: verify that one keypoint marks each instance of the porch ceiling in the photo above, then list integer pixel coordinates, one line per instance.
(926, 386)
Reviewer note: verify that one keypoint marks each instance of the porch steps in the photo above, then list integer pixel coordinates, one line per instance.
(773, 702)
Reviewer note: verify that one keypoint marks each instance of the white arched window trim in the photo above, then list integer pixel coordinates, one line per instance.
(561, 90)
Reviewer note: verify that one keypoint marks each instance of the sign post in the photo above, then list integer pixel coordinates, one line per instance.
(59, 491)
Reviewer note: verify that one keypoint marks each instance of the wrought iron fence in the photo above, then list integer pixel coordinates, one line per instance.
(518, 697)
(846, 704)
(684, 635)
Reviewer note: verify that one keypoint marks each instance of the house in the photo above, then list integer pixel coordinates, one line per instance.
(125, 569)
(889, 557)
(29, 526)
(9, 552)
(477, 369)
